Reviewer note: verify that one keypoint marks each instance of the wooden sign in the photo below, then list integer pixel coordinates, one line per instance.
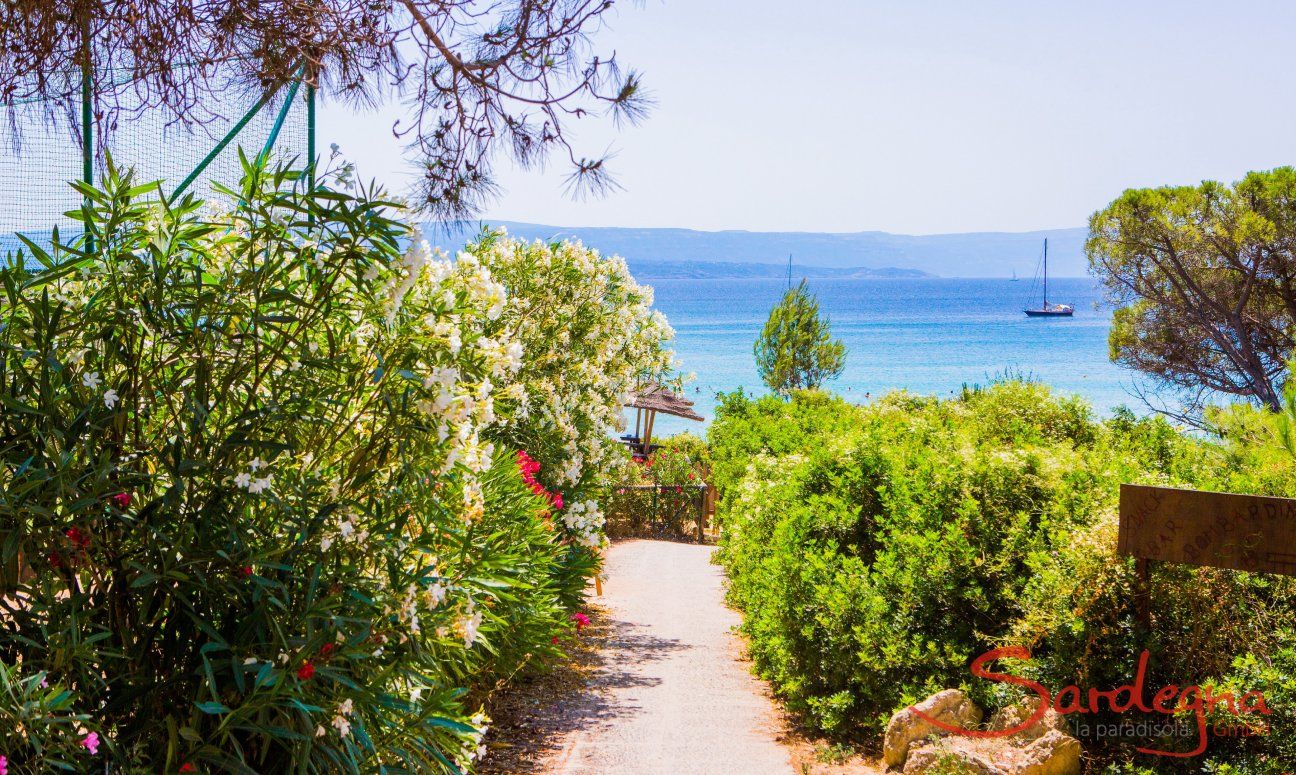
(1242, 532)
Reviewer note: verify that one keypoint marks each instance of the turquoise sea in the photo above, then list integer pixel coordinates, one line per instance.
(927, 336)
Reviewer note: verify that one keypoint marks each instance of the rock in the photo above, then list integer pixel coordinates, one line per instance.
(924, 757)
(950, 707)
(1039, 750)
(1014, 715)
(1053, 753)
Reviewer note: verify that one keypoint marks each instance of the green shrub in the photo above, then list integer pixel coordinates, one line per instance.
(876, 550)
(743, 427)
(249, 519)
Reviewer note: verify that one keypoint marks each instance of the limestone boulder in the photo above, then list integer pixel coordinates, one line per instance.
(1053, 753)
(1044, 748)
(1014, 715)
(951, 707)
(948, 758)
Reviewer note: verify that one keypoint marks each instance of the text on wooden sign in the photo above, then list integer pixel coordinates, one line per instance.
(1222, 530)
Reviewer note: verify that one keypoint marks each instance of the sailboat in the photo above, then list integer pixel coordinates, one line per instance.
(1046, 310)
(1014, 277)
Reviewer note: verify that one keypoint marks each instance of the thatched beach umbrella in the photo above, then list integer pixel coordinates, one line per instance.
(647, 402)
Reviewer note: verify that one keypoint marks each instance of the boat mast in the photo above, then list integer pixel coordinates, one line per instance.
(1046, 273)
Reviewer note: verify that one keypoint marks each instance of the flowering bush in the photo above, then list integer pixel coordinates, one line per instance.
(662, 495)
(249, 518)
(590, 336)
(682, 461)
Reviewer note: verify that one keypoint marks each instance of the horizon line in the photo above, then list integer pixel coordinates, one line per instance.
(757, 231)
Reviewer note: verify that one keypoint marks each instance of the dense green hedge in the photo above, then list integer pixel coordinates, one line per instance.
(876, 550)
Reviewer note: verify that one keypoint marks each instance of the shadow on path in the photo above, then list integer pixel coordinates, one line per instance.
(657, 685)
(531, 721)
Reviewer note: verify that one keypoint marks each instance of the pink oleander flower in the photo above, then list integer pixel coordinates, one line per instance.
(306, 671)
(121, 500)
(557, 500)
(4, 766)
(91, 743)
(582, 621)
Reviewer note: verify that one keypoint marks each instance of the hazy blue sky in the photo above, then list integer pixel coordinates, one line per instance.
(912, 116)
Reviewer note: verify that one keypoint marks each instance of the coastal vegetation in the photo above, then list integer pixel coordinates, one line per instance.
(283, 489)
(876, 550)
(1203, 286)
(286, 490)
(795, 350)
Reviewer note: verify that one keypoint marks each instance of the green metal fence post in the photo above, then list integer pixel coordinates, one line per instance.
(242, 122)
(220, 146)
(87, 115)
(310, 145)
(279, 119)
(87, 127)
(310, 134)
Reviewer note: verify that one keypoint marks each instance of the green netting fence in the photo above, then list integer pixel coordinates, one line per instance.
(43, 144)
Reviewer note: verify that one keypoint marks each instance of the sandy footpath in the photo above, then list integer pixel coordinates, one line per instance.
(673, 694)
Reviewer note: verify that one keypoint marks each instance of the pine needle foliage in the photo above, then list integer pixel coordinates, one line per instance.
(796, 350)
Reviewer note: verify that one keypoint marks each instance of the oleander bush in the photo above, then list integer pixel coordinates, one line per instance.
(591, 337)
(266, 503)
(876, 550)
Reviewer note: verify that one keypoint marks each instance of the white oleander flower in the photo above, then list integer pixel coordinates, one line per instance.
(436, 594)
(470, 624)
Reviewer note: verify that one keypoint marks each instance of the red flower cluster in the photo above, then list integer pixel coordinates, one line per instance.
(582, 621)
(529, 467)
(306, 671)
(78, 538)
(121, 500)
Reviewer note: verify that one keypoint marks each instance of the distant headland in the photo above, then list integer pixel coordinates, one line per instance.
(686, 253)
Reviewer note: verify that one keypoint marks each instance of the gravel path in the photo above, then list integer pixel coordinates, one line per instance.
(673, 694)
